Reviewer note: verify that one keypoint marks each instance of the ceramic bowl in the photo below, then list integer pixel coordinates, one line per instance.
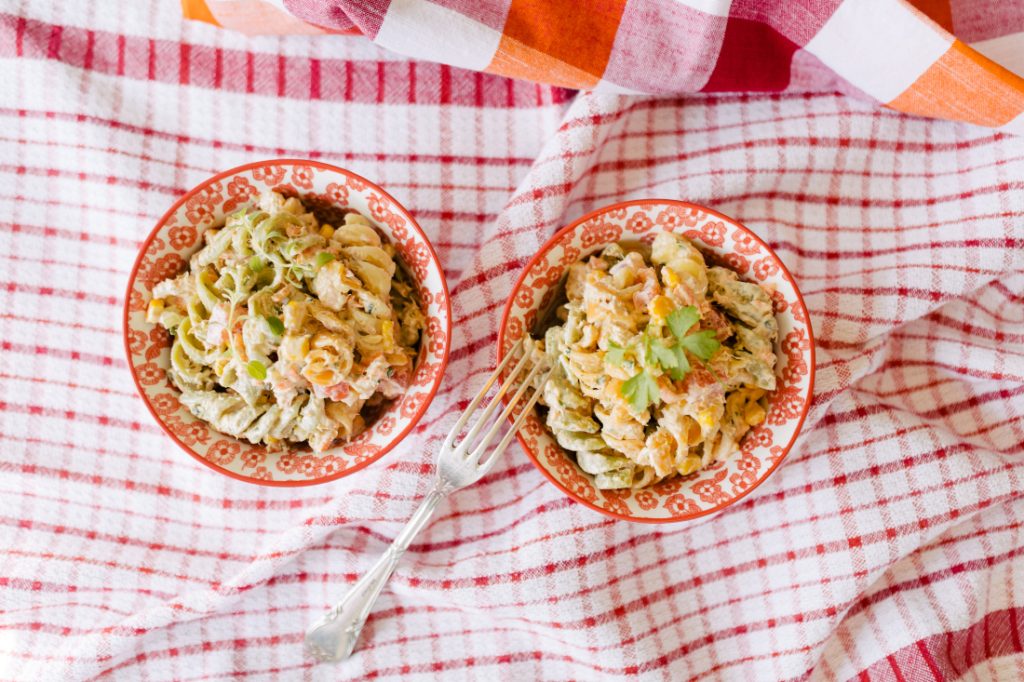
(723, 241)
(165, 253)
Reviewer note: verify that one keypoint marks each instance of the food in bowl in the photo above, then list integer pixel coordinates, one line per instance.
(723, 242)
(665, 363)
(287, 329)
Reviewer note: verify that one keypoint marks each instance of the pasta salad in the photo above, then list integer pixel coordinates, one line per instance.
(289, 330)
(665, 362)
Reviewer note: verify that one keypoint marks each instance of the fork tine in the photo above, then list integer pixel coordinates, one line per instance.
(489, 436)
(471, 408)
(496, 400)
(527, 408)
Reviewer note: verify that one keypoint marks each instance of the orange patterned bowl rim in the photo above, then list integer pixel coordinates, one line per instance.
(198, 209)
(701, 493)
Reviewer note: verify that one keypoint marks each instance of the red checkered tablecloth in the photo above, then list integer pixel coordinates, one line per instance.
(886, 547)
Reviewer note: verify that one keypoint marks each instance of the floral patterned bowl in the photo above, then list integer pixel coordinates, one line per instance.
(723, 241)
(165, 253)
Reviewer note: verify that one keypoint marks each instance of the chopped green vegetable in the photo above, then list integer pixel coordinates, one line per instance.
(660, 353)
(703, 344)
(681, 319)
(672, 359)
(641, 391)
(682, 367)
(256, 370)
(256, 264)
(276, 325)
(615, 355)
(323, 258)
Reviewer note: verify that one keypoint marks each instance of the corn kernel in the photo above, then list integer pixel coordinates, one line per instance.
(156, 306)
(660, 307)
(688, 465)
(706, 418)
(387, 330)
(754, 414)
(324, 378)
(397, 359)
(326, 231)
(693, 431)
(671, 278)
(294, 348)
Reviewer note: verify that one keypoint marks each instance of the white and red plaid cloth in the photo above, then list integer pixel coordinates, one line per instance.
(888, 546)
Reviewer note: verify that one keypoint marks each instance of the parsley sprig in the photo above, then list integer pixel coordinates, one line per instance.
(615, 355)
(641, 390)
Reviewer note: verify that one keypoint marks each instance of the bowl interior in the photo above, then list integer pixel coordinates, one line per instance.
(724, 242)
(166, 252)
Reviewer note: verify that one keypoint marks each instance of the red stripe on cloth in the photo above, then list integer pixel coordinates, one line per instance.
(120, 56)
(93, 358)
(218, 68)
(314, 79)
(897, 675)
(949, 655)
(14, 287)
(753, 56)
(282, 66)
(929, 660)
(53, 45)
(167, 61)
(90, 45)
(19, 40)
(183, 64)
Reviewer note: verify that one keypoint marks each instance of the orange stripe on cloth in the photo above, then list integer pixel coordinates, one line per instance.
(964, 85)
(558, 41)
(198, 11)
(516, 60)
(258, 17)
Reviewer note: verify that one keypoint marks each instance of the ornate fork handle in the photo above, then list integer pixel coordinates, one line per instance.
(459, 464)
(334, 636)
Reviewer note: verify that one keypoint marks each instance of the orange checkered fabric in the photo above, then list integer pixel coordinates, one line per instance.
(952, 59)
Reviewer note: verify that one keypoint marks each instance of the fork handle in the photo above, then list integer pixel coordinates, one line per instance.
(333, 637)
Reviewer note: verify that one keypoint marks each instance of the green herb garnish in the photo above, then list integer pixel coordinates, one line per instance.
(660, 353)
(276, 325)
(671, 358)
(323, 258)
(681, 319)
(703, 344)
(256, 370)
(641, 391)
(615, 355)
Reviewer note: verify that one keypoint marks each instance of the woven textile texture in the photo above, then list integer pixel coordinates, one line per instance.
(887, 546)
(953, 59)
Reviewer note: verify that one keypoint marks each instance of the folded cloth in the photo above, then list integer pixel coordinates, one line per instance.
(887, 546)
(952, 59)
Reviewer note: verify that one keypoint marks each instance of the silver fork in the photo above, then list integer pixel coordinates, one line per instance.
(334, 636)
